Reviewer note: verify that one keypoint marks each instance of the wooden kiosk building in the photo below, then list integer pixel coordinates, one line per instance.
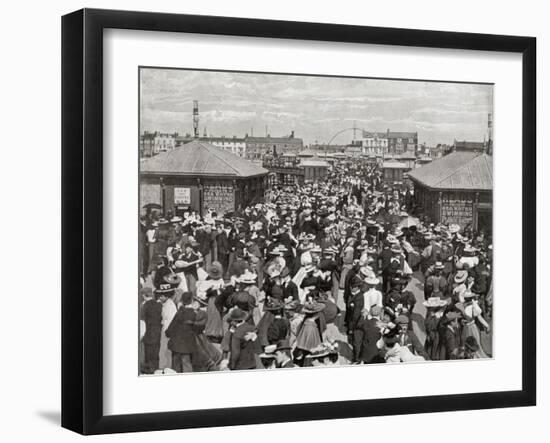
(198, 176)
(457, 188)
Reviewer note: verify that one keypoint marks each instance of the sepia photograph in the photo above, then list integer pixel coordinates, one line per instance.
(300, 221)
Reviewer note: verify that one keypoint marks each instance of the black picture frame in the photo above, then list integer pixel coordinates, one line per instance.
(82, 220)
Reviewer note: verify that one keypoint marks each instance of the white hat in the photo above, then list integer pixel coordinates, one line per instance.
(372, 280)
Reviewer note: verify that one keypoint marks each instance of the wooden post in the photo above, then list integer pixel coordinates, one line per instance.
(439, 204)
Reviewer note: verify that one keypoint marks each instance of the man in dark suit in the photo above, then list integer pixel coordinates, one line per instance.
(282, 355)
(366, 335)
(182, 335)
(222, 247)
(290, 290)
(151, 314)
(244, 344)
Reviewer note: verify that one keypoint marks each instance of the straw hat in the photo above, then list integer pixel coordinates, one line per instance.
(461, 276)
(435, 302)
(248, 278)
(372, 280)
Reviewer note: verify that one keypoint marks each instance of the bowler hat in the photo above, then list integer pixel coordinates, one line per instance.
(283, 345)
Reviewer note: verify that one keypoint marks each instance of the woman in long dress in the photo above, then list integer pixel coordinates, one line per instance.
(471, 313)
(310, 332)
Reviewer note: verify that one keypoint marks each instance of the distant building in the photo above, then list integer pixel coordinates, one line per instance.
(374, 143)
(353, 150)
(393, 172)
(440, 151)
(146, 144)
(402, 142)
(258, 147)
(469, 146)
(314, 169)
(233, 144)
(151, 143)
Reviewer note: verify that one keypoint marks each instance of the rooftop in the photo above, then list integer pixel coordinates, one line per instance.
(288, 139)
(461, 170)
(402, 134)
(200, 158)
(394, 165)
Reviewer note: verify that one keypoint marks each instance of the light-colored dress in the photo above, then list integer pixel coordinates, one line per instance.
(308, 337)
(470, 328)
(168, 312)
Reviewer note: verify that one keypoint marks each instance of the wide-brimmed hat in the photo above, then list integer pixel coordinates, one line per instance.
(215, 270)
(283, 345)
(392, 239)
(247, 278)
(461, 276)
(165, 288)
(372, 280)
(468, 294)
(313, 307)
(317, 249)
(469, 248)
(323, 350)
(269, 351)
(237, 314)
(435, 302)
(439, 265)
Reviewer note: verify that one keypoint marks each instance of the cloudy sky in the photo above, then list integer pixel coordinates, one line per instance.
(316, 108)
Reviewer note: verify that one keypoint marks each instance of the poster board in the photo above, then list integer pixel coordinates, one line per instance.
(220, 198)
(182, 196)
(456, 211)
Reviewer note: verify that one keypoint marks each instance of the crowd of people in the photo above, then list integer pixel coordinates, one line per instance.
(316, 275)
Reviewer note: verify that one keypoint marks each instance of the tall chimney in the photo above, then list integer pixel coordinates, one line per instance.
(196, 118)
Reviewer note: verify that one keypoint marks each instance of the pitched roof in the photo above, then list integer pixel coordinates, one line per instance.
(200, 158)
(461, 170)
(402, 134)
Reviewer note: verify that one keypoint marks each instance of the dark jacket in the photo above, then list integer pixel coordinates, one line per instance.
(182, 332)
(243, 352)
(365, 337)
(151, 314)
(290, 290)
(222, 244)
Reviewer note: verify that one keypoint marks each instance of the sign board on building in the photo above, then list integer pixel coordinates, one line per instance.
(456, 211)
(219, 198)
(182, 196)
